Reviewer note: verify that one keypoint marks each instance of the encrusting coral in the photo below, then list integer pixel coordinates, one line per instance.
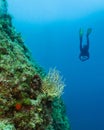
(29, 97)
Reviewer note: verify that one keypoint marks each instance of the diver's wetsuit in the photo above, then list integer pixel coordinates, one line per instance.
(84, 50)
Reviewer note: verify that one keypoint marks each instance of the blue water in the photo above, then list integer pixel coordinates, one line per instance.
(56, 44)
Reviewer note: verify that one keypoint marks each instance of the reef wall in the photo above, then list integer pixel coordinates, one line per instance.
(3, 7)
(30, 98)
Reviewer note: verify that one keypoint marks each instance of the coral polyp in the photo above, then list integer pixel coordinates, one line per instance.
(18, 106)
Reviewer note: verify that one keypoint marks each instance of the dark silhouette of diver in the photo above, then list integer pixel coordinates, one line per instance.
(84, 49)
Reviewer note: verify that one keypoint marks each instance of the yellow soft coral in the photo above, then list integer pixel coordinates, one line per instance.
(52, 84)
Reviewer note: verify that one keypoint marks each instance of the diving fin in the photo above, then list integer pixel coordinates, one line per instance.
(89, 30)
(81, 32)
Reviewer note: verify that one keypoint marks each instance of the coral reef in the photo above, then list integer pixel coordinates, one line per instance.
(30, 99)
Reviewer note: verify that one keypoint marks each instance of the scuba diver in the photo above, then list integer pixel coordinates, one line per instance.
(84, 49)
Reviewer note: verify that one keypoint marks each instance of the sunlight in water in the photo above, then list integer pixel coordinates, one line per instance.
(47, 10)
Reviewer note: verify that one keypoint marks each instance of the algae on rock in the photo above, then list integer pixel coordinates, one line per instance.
(24, 103)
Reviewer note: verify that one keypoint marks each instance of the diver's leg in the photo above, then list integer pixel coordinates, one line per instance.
(80, 37)
(89, 30)
(87, 42)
